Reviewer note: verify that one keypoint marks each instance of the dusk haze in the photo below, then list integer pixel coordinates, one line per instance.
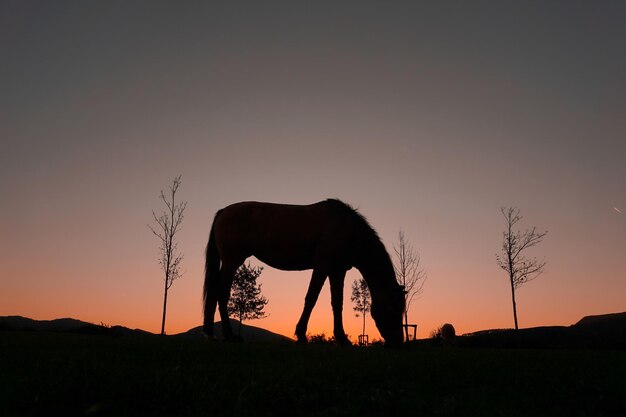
(424, 117)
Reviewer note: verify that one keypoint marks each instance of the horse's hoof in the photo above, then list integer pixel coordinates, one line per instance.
(344, 342)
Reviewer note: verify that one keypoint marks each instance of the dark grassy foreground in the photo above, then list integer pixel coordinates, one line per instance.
(67, 374)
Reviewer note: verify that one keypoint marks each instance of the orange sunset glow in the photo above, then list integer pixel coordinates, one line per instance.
(427, 119)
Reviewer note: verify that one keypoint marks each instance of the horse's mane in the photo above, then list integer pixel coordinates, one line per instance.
(369, 232)
(351, 211)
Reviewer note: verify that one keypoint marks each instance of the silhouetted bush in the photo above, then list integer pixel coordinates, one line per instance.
(444, 335)
(320, 338)
(377, 342)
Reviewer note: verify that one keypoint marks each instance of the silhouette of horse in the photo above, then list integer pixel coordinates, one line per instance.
(329, 237)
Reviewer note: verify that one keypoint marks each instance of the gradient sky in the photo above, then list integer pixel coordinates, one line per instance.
(426, 117)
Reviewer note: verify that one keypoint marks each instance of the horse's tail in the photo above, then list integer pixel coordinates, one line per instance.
(211, 282)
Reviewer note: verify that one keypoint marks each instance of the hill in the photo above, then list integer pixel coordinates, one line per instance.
(68, 325)
(57, 325)
(607, 331)
(604, 321)
(248, 333)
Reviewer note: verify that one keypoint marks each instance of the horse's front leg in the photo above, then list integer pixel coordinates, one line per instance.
(315, 287)
(336, 293)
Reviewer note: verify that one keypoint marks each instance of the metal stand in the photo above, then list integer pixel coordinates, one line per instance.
(407, 333)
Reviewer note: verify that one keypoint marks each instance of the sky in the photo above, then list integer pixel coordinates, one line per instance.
(426, 116)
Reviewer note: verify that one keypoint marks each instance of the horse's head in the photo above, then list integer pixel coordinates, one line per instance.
(387, 309)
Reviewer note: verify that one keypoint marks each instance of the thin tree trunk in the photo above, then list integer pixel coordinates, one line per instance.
(167, 278)
(363, 332)
(164, 309)
(406, 325)
(514, 305)
(511, 274)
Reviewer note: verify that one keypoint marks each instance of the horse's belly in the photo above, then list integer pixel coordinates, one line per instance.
(286, 261)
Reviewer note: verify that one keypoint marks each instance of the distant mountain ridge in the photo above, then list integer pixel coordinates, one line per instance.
(65, 325)
(606, 331)
(25, 323)
(19, 323)
(604, 320)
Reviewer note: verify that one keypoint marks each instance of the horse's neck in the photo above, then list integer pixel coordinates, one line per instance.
(374, 264)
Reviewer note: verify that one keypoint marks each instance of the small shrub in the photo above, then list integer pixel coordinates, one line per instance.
(377, 342)
(444, 335)
(320, 338)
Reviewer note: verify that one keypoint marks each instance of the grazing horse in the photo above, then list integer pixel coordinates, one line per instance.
(329, 237)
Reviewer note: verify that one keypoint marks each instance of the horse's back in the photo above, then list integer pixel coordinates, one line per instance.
(269, 218)
(285, 236)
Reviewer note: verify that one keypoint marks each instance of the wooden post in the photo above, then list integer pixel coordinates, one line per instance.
(406, 331)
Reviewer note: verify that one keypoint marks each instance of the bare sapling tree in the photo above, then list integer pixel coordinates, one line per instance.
(362, 300)
(166, 227)
(409, 274)
(519, 268)
(246, 301)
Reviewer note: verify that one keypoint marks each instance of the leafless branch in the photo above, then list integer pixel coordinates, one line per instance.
(409, 273)
(520, 269)
(166, 226)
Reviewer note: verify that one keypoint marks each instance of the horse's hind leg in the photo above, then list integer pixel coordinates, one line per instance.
(315, 287)
(210, 304)
(227, 272)
(336, 297)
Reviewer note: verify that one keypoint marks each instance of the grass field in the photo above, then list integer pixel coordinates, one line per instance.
(46, 374)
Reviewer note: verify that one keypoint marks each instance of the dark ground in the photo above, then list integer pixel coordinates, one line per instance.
(44, 373)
